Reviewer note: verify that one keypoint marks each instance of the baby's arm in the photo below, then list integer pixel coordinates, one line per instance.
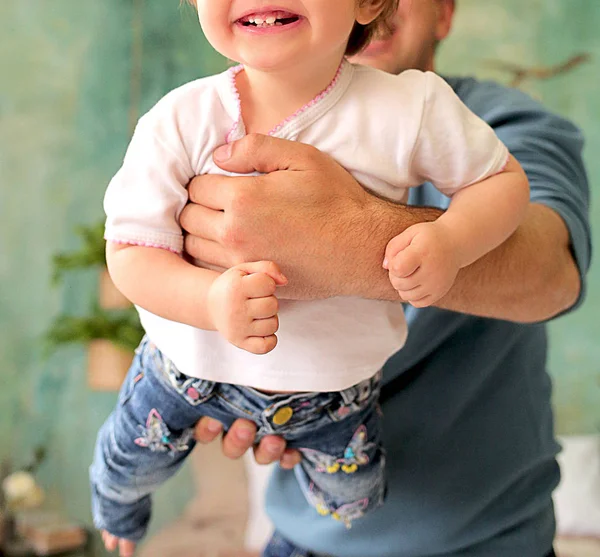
(424, 260)
(239, 303)
(143, 203)
(482, 216)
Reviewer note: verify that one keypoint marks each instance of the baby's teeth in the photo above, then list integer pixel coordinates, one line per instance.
(259, 20)
(271, 20)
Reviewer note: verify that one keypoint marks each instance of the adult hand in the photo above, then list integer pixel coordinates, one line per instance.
(240, 438)
(304, 212)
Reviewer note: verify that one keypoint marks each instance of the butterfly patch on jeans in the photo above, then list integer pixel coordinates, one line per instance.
(345, 513)
(355, 455)
(157, 437)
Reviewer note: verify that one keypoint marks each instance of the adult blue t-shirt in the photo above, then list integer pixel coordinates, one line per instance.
(468, 425)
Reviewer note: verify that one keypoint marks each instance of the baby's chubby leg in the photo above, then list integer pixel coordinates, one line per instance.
(125, 474)
(142, 444)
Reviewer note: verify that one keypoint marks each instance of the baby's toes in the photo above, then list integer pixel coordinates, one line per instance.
(110, 541)
(126, 548)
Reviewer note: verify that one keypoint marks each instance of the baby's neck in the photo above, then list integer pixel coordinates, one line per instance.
(268, 98)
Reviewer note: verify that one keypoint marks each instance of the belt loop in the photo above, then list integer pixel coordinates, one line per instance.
(348, 395)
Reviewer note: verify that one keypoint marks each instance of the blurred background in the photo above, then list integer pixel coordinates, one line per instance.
(75, 77)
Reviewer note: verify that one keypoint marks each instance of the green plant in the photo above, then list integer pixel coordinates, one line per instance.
(91, 253)
(121, 327)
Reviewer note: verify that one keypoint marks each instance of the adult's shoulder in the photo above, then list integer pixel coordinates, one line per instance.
(549, 148)
(500, 105)
(520, 121)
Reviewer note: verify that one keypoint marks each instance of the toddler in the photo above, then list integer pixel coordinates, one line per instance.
(211, 346)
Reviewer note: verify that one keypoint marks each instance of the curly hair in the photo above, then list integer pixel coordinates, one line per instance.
(361, 35)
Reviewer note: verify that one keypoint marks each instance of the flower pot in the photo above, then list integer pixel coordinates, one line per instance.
(107, 365)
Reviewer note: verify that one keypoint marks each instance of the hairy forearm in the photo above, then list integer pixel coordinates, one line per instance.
(531, 277)
(161, 282)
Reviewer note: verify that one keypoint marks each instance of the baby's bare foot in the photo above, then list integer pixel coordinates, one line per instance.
(126, 547)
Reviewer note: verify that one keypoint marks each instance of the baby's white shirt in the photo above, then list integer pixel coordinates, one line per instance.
(390, 132)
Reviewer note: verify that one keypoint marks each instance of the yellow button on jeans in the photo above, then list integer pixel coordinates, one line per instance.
(283, 415)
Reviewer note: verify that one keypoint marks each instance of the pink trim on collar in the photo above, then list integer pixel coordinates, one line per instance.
(317, 99)
(232, 73)
(237, 69)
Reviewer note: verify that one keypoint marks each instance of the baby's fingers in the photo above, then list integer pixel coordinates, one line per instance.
(405, 263)
(264, 267)
(260, 345)
(405, 284)
(264, 327)
(396, 245)
(262, 308)
(258, 285)
(418, 297)
(423, 302)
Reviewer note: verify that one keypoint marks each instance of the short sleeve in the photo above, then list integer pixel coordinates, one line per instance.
(146, 196)
(454, 147)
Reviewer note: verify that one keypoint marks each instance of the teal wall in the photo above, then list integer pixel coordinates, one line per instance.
(542, 34)
(76, 75)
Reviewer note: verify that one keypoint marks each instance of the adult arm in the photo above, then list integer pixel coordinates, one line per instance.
(535, 274)
(329, 235)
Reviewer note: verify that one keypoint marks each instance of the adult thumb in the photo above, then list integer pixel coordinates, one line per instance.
(264, 154)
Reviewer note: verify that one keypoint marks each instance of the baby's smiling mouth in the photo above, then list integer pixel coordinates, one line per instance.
(270, 19)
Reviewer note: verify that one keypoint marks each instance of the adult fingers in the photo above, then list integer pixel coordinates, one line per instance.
(239, 438)
(206, 252)
(215, 191)
(207, 430)
(202, 221)
(290, 458)
(265, 154)
(270, 449)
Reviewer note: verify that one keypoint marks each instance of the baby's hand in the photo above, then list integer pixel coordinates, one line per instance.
(422, 263)
(243, 306)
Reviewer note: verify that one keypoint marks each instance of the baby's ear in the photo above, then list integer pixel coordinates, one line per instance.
(369, 10)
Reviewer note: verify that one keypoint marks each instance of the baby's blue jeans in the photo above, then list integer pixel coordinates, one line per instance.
(149, 434)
